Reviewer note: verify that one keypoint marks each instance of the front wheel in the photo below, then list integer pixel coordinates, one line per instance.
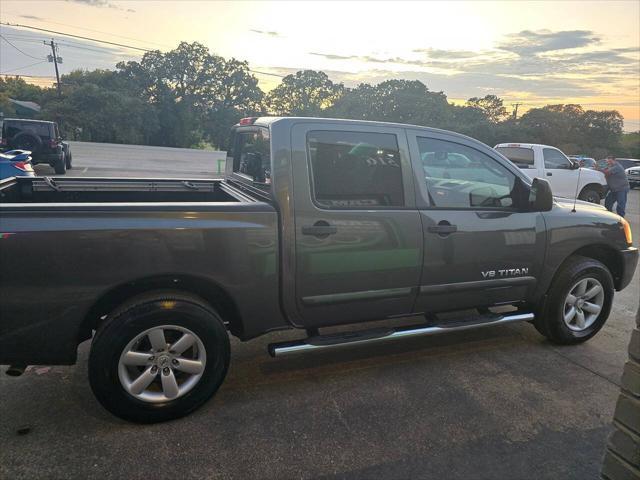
(590, 195)
(159, 357)
(578, 303)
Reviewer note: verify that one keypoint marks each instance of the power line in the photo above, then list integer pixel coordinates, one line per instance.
(20, 68)
(75, 36)
(24, 53)
(100, 31)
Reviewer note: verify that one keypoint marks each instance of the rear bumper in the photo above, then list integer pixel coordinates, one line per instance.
(50, 158)
(629, 261)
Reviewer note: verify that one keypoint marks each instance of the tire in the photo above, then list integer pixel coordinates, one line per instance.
(550, 318)
(60, 167)
(109, 376)
(68, 160)
(590, 195)
(26, 141)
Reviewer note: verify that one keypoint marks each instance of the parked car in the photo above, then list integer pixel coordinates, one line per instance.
(566, 177)
(15, 163)
(41, 138)
(586, 162)
(624, 162)
(318, 223)
(633, 175)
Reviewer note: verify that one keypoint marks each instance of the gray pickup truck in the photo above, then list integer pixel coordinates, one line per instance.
(317, 223)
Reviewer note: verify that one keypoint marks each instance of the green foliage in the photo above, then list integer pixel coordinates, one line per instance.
(491, 106)
(305, 94)
(189, 97)
(630, 145)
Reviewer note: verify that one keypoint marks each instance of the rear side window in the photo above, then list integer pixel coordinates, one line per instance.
(555, 159)
(522, 157)
(355, 169)
(252, 155)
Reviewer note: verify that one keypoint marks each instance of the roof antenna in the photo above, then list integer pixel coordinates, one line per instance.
(575, 197)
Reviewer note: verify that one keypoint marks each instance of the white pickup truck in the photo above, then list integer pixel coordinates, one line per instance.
(549, 163)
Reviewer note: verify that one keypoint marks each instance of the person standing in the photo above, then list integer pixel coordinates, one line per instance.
(618, 185)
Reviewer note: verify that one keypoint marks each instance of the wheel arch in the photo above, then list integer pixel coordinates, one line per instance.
(205, 288)
(605, 254)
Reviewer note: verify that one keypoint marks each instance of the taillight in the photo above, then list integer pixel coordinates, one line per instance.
(53, 143)
(24, 166)
(247, 120)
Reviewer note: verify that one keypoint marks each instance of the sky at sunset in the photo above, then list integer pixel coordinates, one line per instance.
(532, 53)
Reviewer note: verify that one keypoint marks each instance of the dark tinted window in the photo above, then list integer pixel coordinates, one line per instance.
(555, 159)
(252, 155)
(355, 169)
(458, 176)
(11, 129)
(522, 157)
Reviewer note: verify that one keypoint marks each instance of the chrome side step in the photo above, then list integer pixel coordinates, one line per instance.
(342, 339)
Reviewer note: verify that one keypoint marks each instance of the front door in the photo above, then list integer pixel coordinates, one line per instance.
(358, 237)
(481, 246)
(559, 170)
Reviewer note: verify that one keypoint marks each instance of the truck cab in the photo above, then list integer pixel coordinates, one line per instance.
(567, 178)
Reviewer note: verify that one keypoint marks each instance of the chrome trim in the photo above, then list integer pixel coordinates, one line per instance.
(287, 348)
(354, 296)
(478, 284)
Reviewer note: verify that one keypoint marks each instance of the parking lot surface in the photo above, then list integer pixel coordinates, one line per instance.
(499, 402)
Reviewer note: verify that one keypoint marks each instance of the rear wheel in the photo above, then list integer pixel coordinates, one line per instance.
(159, 357)
(60, 167)
(68, 159)
(579, 302)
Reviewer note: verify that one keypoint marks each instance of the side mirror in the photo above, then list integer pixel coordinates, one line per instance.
(575, 164)
(540, 196)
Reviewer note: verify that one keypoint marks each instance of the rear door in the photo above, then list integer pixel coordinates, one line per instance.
(358, 236)
(481, 248)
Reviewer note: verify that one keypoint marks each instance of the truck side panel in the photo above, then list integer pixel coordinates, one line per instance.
(57, 263)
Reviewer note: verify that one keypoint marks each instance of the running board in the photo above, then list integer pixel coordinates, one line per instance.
(342, 339)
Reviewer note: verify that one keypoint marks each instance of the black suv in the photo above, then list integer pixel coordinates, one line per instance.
(40, 137)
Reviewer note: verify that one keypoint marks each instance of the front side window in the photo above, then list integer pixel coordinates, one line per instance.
(555, 159)
(252, 155)
(355, 169)
(462, 177)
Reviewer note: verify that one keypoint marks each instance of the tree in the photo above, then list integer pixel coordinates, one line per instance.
(403, 101)
(193, 89)
(491, 106)
(307, 93)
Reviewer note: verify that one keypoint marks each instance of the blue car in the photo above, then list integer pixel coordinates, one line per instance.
(16, 163)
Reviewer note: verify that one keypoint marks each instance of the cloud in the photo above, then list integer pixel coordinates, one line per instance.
(31, 17)
(528, 42)
(101, 4)
(446, 54)
(264, 32)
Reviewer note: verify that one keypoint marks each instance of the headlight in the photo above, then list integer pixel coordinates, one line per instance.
(627, 231)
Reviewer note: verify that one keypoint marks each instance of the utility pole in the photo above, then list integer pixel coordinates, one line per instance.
(515, 111)
(55, 63)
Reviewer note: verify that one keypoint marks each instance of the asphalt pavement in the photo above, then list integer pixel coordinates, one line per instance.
(496, 403)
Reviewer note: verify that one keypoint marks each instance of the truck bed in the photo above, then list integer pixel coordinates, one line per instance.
(71, 246)
(69, 190)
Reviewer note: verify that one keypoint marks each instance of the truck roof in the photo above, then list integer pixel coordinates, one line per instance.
(525, 145)
(266, 121)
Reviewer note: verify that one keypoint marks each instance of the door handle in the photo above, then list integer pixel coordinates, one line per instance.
(443, 229)
(319, 229)
(549, 174)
